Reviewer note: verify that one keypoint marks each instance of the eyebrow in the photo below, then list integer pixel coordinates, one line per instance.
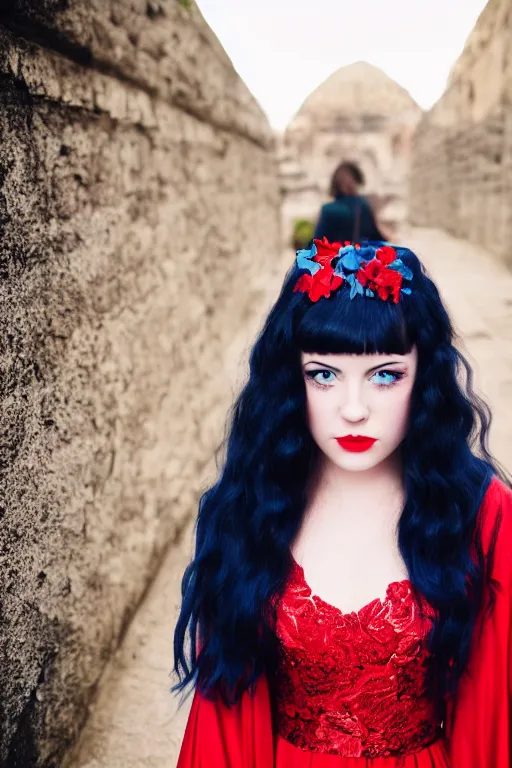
(370, 370)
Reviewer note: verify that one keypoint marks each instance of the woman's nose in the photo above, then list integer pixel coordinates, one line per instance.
(354, 409)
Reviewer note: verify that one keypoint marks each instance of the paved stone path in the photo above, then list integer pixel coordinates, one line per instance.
(135, 722)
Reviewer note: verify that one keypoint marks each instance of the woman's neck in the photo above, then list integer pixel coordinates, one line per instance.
(332, 489)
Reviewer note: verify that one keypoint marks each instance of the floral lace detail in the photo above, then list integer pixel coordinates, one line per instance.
(354, 684)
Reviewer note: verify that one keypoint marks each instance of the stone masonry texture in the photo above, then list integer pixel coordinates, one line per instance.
(461, 178)
(138, 220)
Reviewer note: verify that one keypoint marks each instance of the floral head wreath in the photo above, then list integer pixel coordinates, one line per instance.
(369, 270)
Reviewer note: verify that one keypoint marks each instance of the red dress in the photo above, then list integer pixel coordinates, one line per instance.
(351, 687)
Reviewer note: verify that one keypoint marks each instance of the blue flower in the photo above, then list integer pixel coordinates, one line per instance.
(399, 266)
(305, 260)
(349, 258)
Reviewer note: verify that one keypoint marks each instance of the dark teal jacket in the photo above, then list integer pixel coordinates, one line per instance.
(347, 218)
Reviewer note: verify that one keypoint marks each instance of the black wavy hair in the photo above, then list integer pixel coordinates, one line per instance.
(249, 517)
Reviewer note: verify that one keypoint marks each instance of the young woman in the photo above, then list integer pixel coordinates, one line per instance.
(349, 603)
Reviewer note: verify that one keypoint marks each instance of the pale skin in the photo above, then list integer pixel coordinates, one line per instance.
(347, 541)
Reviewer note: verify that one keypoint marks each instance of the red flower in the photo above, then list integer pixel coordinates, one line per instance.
(303, 284)
(386, 255)
(370, 271)
(326, 251)
(320, 284)
(336, 281)
(392, 281)
(385, 282)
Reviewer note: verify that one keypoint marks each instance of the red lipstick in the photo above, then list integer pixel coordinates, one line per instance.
(356, 443)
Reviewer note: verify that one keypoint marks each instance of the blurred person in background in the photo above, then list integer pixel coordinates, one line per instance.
(349, 217)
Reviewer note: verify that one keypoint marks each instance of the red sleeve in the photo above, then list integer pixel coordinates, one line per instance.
(236, 737)
(480, 736)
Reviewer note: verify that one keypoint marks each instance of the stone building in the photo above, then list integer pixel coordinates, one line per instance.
(359, 114)
(462, 152)
(136, 176)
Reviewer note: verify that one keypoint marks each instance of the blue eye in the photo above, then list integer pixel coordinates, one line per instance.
(386, 378)
(321, 376)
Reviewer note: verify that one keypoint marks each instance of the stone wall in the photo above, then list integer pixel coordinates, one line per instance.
(462, 151)
(137, 184)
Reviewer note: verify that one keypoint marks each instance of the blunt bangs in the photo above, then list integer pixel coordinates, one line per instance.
(340, 325)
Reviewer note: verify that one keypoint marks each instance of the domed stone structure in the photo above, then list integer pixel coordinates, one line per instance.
(358, 114)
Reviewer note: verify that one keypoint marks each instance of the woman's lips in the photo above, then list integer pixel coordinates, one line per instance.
(356, 443)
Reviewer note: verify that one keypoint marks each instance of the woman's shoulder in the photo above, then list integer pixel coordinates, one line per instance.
(497, 502)
(496, 526)
(333, 206)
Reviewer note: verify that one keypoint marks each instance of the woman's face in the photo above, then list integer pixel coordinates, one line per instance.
(358, 405)
(347, 183)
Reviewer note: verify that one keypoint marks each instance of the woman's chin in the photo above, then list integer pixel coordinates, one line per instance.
(359, 461)
(356, 462)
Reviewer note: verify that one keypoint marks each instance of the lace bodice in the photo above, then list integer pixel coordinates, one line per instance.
(354, 684)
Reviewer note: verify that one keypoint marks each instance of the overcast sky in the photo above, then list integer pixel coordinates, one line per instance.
(283, 49)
